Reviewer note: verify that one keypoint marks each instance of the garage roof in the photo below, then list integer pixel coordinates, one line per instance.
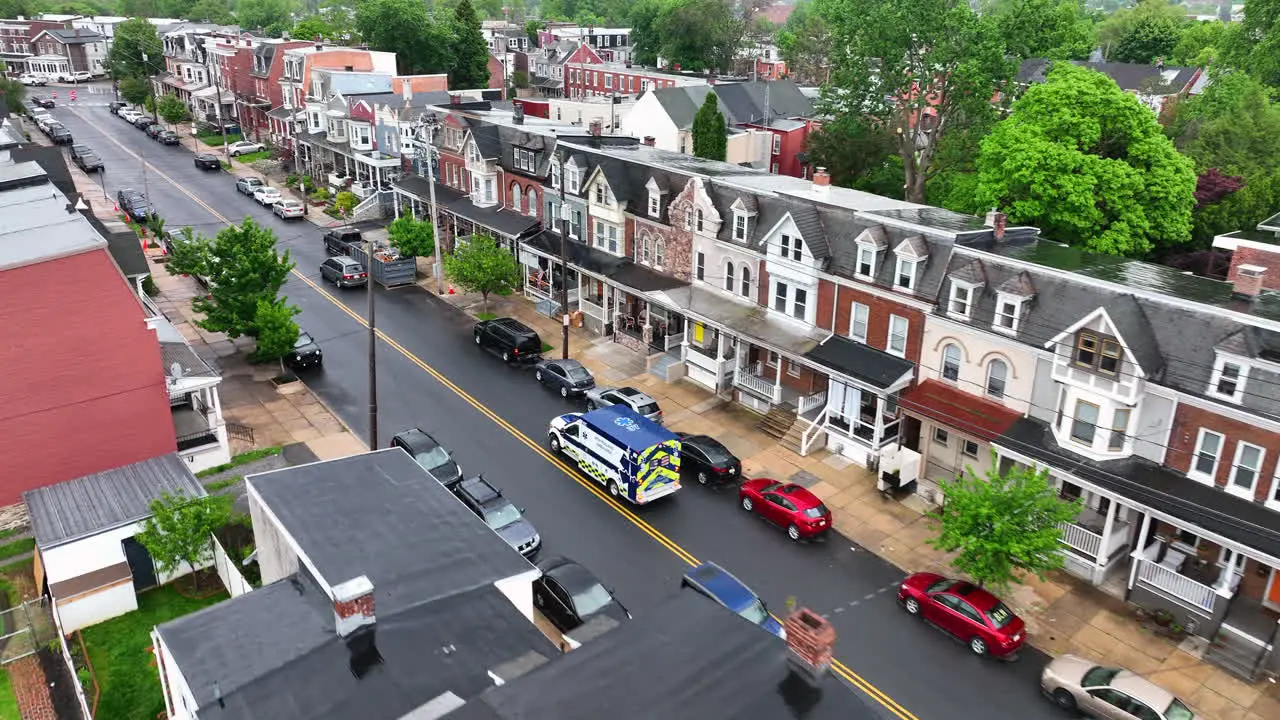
(102, 501)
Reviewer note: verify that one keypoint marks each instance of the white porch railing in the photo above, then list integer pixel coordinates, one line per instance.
(1086, 541)
(810, 434)
(1177, 585)
(809, 402)
(757, 384)
(592, 309)
(699, 358)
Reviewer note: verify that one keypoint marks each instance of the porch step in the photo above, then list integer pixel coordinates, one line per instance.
(777, 422)
(1236, 655)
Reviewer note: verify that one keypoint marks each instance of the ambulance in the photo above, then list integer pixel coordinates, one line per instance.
(631, 455)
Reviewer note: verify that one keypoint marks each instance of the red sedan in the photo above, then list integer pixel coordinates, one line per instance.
(966, 611)
(786, 505)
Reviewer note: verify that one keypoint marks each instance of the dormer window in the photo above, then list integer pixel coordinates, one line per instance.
(603, 195)
(1097, 352)
(1228, 380)
(961, 303)
(526, 160)
(905, 277)
(655, 204)
(473, 153)
(572, 178)
(910, 253)
(790, 248)
(739, 227)
(555, 175)
(1008, 312)
(866, 262)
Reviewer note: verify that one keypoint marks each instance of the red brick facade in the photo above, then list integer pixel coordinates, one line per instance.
(1269, 259)
(525, 185)
(594, 79)
(878, 311)
(1187, 422)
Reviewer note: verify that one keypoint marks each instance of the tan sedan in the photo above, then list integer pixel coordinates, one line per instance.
(1077, 685)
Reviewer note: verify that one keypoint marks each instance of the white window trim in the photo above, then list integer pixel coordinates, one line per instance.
(946, 436)
(1018, 302)
(913, 264)
(1273, 500)
(958, 287)
(906, 336)
(740, 222)
(977, 449)
(857, 268)
(853, 317)
(942, 375)
(655, 204)
(1218, 368)
(1235, 465)
(986, 388)
(1195, 474)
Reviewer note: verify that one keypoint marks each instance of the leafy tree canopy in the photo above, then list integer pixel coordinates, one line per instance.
(478, 264)
(1054, 29)
(1001, 526)
(406, 28)
(171, 109)
(13, 93)
(136, 51)
(699, 34)
(1254, 44)
(211, 11)
(1199, 44)
(411, 236)
(180, 530)
(710, 130)
(802, 43)
(1089, 165)
(265, 14)
(135, 90)
(277, 331)
(470, 52)
(1143, 33)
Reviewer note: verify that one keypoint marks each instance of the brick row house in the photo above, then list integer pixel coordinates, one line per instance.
(920, 343)
(17, 45)
(190, 68)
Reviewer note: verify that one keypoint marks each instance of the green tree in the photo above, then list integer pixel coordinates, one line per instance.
(480, 265)
(1199, 44)
(1054, 29)
(277, 331)
(25, 8)
(1089, 165)
(263, 14)
(210, 11)
(645, 38)
(136, 51)
(470, 52)
(411, 236)
(802, 43)
(13, 92)
(920, 69)
(710, 131)
(135, 90)
(1254, 44)
(139, 9)
(856, 154)
(241, 267)
(171, 109)
(405, 28)
(531, 28)
(345, 202)
(1141, 34)
(180, 530)
(1001, 526)
(314, 26)
(700, 34)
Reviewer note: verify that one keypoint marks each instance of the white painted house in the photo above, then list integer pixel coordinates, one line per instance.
(87, 557)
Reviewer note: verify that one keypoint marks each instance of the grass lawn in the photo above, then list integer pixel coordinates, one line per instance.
(254, 156)
(485, 316)
(122, 661)
(9, 701)
(215, 138)
(242, 459)
(17, 547)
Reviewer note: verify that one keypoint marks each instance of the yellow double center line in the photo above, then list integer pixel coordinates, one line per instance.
(840, 668)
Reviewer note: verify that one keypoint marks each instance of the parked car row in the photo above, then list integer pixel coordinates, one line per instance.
(35, 79)
(54, 130)
(85, 158)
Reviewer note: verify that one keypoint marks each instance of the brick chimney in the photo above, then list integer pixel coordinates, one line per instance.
(353, 605)
(997, 221)
(1249, 280)
(821, 182)
(650, 140)
(319, 42)
(812, 640)
(596, 128)
(455, 99)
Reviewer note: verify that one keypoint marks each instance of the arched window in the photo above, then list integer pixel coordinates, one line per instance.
(951, 363)
(646, 249)
(659, 250)
(728, 276)
(698, 220)
(746, 281)
(515, 200)
(533, 202)
(997, 374)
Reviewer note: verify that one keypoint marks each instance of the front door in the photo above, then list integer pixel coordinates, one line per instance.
(1272, 598)
(140, 564)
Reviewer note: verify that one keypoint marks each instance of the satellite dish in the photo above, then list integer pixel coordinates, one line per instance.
(175, 370)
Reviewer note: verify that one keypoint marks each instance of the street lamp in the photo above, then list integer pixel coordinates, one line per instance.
(424, 135)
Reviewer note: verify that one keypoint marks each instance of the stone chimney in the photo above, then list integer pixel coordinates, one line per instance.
(596, 128)
(812, 640)
(1249, 280)
(821, 182)
(353, 605)
(650, 140)
(997, 221)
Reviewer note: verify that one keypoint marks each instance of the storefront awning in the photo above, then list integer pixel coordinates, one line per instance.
(953, 407)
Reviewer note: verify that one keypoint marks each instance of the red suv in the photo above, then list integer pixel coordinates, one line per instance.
(786, 505)
(966, 611)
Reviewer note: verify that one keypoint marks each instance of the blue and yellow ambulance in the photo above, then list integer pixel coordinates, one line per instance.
(629, 454)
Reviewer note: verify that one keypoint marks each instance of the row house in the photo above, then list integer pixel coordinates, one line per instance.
(1147, 394)
(505, 40)
(590, 77)
(62, 51)
(290, 119)
(610, 44)
(261, 92)
(229, 64)
(187, 58)
(546, 66)
(17, 41)
(769, 122)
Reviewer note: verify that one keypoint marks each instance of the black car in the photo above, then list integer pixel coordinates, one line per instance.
(135, 205)
(43, 101)
(114, 107)
(344, 272)
(510, 339)
(144, 122)
(246, 185)
(500, 515)
(208, 161)
(88, 162)
(708, 460)
(154, 131)
(569, 596)
(429, 454)
(568, 377)
(61, 136)
(168, 137)
(306, 353)
(78, 148)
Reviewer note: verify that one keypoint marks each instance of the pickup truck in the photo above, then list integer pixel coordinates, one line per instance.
(337, 240)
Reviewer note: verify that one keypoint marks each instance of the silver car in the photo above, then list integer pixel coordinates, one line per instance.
(642, 403)
(289, 208)
(1077, 685)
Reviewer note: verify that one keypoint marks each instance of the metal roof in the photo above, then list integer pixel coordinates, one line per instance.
(109, 499)
(37, 223)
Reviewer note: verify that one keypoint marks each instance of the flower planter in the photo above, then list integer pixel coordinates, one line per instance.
(287, 384)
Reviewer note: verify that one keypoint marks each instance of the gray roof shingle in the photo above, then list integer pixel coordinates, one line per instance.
(109, 499)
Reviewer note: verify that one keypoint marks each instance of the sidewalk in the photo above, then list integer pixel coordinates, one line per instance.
(1063, 614)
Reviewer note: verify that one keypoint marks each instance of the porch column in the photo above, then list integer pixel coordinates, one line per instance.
(777, 381)
(395, 199)
(1223, 586)
(1107, 525)
(878, 433)
(739, 354)
(1137, 553)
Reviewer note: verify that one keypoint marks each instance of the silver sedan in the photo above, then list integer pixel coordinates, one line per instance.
(1078, 685)
(642, 403)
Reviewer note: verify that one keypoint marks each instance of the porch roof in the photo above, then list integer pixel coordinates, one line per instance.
(507, 222)
(951, 406)
(282, 113)
(743, 319)
(1156, 487)
(206, 93)
(622, 271)
(862, 362)
(420, 188)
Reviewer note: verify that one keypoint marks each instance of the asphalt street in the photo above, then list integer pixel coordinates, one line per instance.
(925, 672)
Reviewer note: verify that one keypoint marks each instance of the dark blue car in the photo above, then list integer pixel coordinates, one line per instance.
(720, 585)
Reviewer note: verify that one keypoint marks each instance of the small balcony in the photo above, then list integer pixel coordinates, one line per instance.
(1196, 590)
(192, 428)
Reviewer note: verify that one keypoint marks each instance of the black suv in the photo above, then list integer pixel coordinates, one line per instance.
(510, 339)
(135, 205)
(431, 455)
(306, 353)
(500, 515)
(337, 240)
(60, 135)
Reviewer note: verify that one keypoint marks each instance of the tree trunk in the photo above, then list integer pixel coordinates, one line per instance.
(485, 296)
(195, 577)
